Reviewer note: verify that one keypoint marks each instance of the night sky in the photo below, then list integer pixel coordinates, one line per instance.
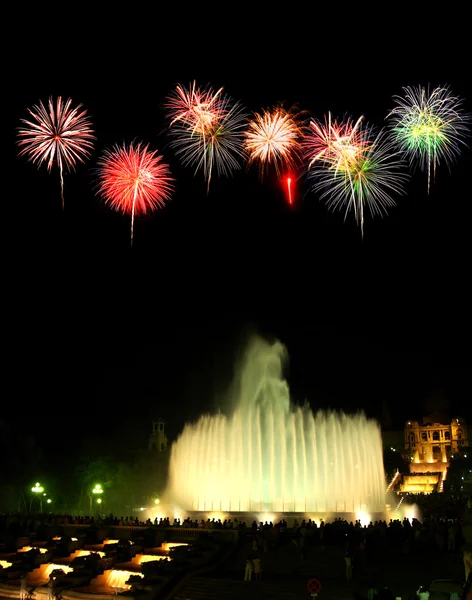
(101, 337)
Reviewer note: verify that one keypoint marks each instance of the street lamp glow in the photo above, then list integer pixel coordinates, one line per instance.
(97, 489)
(38, 489)
(156, 501)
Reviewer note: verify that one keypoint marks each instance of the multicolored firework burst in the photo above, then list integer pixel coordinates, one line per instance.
(352, 167)
(207, 128)
(134, 180)
(429, 127)
(274, 138)
(335, 143)
(57, 134)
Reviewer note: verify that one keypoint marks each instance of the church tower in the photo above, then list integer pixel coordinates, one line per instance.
(158, 440)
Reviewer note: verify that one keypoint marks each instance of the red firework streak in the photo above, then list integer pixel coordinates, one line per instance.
(288, 182)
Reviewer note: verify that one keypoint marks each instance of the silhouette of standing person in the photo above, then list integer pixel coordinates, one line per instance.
(23, 580)
(257, 568)
(51, 588)
(348, 561)
(248, 570)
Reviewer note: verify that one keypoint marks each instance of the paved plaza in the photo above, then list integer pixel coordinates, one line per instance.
(286, 574)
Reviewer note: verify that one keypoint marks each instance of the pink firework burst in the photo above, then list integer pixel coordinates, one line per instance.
(134, 180)
(335, 144)
(195, 108)
(207, 128)
(274, 137)
(57, 134)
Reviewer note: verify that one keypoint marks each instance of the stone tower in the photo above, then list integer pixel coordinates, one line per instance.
(158, 440)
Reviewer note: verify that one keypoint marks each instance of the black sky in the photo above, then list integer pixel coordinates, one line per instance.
(96, 331)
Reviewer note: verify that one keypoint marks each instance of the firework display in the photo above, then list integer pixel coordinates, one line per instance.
(349, 164)
(429, 127)
(274, 138)
(353, 167)
(134, 180)
(57, 134)
(207, 128)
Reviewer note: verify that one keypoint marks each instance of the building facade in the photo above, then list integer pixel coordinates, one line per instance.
(429, 447)
(435, 440)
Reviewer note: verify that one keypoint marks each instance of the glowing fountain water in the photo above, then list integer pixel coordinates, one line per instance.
(272, 456)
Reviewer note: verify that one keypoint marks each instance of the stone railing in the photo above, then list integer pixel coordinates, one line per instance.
(160, 533)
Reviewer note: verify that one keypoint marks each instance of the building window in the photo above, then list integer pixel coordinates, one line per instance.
(161, 426)
(436, 436)
(424, 436)
(447, 435)
(162, 447)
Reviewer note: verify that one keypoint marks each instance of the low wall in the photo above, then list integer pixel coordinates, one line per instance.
(154, 535)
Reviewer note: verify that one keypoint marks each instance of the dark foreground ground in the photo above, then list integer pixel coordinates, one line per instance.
(286, 574)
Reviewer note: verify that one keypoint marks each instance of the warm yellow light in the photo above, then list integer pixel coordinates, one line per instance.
(52, 567)
(117, 579)
(78, 553)
(166, 546)
(142, 558)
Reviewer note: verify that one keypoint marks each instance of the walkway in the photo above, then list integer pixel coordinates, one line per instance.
(285, 575)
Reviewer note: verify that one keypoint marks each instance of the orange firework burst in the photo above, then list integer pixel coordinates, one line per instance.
(134, 180)
(274, 137)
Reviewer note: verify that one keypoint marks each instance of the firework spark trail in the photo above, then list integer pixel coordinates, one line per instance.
(429, 127)
(353, 168)
(289, 190)
(58, 134)
(134, 180)
(207, 128)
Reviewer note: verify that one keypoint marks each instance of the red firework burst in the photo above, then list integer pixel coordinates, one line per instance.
(133, 180)
(59, 134)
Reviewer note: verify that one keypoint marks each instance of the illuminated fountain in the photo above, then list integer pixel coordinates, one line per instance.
(269, 456)
(5, 564)
(41, 574)
(161, 553)
(115, 579)
(29, 548)
(79, 553)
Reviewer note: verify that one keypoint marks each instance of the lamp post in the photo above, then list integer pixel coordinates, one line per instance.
(38, 489)
(97, 490)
